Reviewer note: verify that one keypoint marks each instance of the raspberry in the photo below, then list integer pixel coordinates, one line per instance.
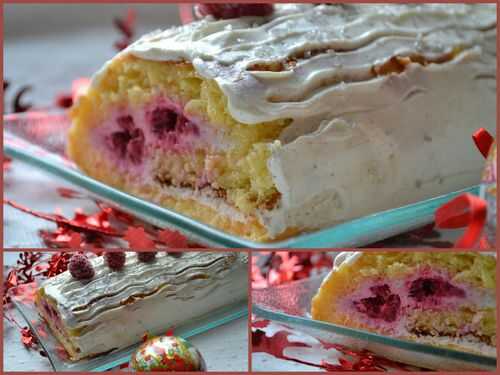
(118, 141)
(146, 256)
(80, 267)
(163, 120)
(381, 290)
(127, 142)
(64, 101)
(126, 123)
(384, 305)
(135, 148)
(225, 11)
(115, 259)
(426, 287)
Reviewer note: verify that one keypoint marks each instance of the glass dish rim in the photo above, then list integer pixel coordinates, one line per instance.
(341, 235)
(285, 318)
(240, 311)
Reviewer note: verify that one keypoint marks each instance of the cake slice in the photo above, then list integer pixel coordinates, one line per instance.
(443, 299)
(270, 126)
(114, 309)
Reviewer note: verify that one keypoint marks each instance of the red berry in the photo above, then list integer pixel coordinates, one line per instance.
(64, 100)
(225, 11)
(146, 256)
(115, 259)
(80, 267)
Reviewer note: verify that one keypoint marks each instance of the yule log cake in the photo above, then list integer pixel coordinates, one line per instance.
(270, 126)
(444, 299)
(115, 308)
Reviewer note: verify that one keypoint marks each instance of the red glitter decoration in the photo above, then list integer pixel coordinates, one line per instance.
(68, 193)
(64, 237)
(58, 263)
(274, 345)
(20, 281)
(274, 268)
(27, 337)
(94, 223)
(173, 239)
(116, 213)
(21, 274)
(93, 230)
(138, 239)
(359, 360)
(126, 27)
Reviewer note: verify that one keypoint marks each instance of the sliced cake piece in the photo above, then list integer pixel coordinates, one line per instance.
(266, 127)
(444, 299)
(115, 308)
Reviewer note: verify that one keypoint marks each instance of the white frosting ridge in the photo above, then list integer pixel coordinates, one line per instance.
(145, 297)
(358, 36)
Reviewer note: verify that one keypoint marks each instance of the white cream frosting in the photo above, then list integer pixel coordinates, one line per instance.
(359, 143)
(145, 297)
(365, 34)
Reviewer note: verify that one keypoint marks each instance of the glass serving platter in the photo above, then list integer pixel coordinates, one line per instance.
(58, 357)
(38, 138)
(290, 304)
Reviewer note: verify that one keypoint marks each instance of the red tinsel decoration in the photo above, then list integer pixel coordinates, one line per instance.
(126, 26)
(93, 230)
(21, 281)
(274, 268)
(58, 263)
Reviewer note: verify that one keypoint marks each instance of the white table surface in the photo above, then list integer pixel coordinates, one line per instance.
(224, 348)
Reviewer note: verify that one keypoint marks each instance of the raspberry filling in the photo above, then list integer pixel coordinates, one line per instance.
(165, 123)
(383, 305)
(53, 315)
(428, 287)
(386, 305)
(128, 142)
(162, 125)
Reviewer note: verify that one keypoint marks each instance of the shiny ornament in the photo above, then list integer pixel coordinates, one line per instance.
(167, 353)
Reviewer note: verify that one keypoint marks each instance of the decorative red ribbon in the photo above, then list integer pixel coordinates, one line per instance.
(465, 210)
(483, 141)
